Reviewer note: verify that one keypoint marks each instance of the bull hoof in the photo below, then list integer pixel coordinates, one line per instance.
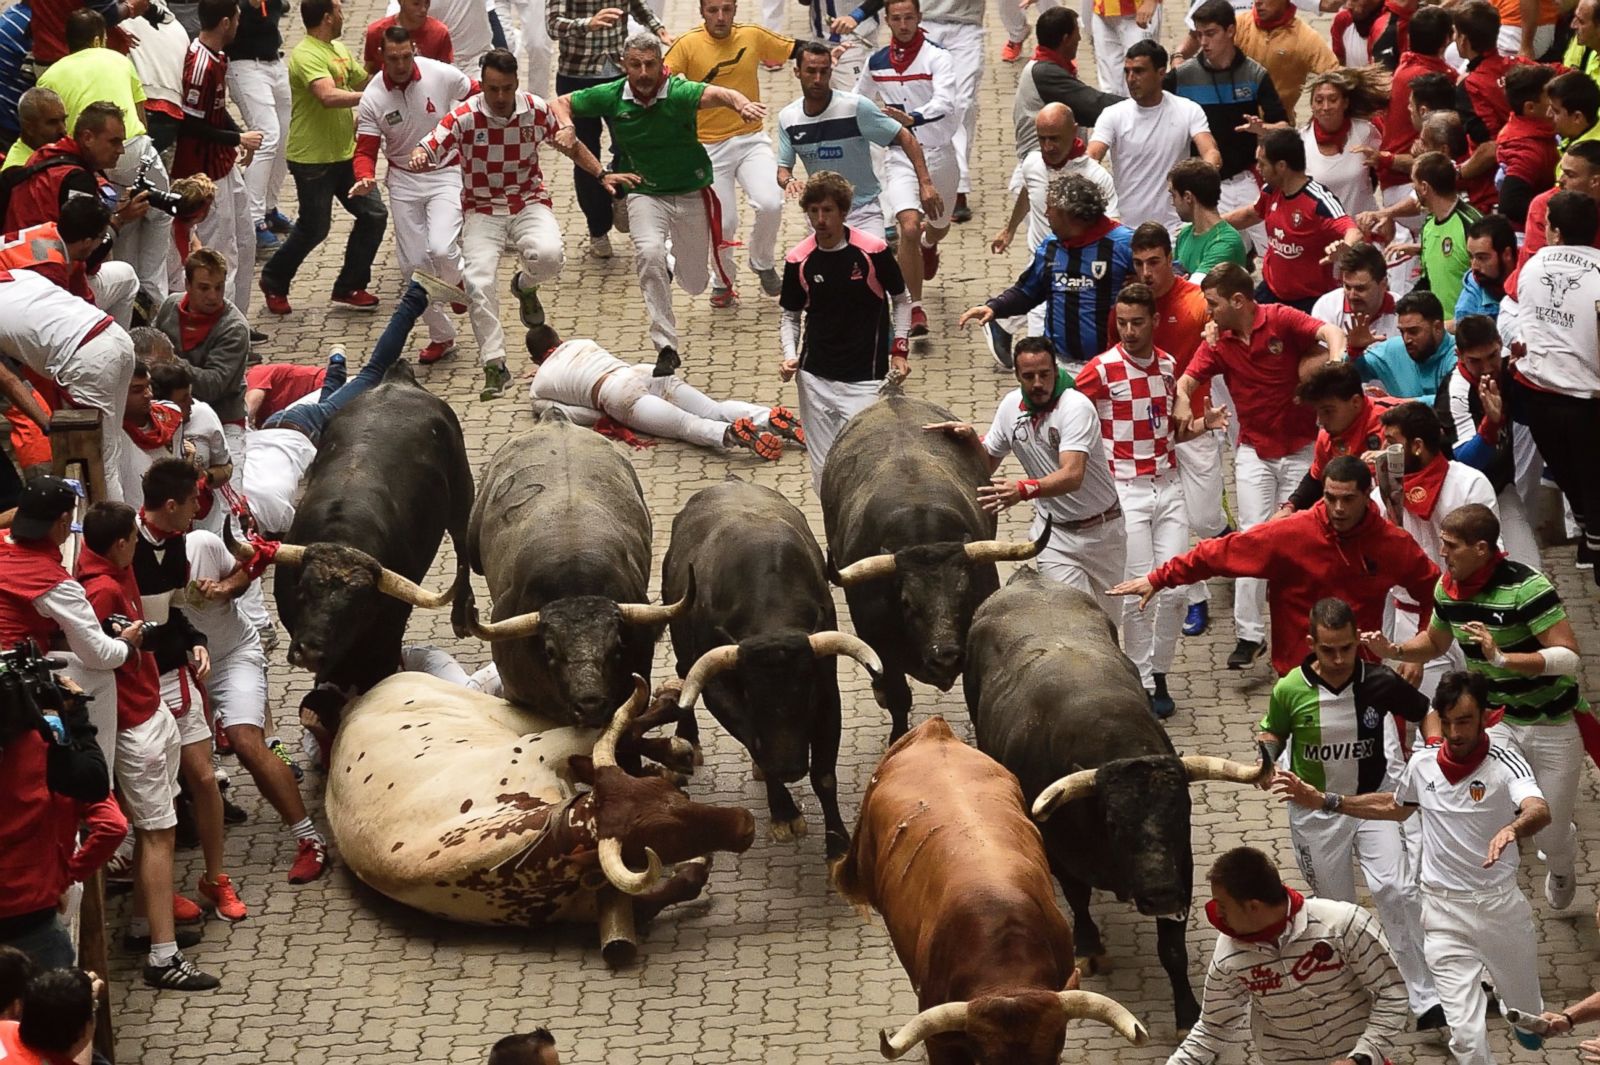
(788, 831)
(838, 846)
(879, 697)
(699, 758)
(672, 776)
(756, 772)
(1094, 964)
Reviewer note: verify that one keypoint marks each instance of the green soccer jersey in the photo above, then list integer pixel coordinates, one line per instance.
(659, 140)
(1335, 736)
(1201, 254)
(1515, 606)
(1445, 259)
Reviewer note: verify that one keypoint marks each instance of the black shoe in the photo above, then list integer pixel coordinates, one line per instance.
(667, 362)
(1432, 1019)
(258, 337)
(1161, 703)
(179, 974)
(961, 213)
(1245, 652)
(185, 938)
(187, 833)
(232, 813)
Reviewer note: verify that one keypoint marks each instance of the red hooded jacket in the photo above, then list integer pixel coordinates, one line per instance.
(114, 591)
(38, 198)
(1303, 560)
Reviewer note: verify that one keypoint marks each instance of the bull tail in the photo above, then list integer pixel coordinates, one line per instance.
(842, 874)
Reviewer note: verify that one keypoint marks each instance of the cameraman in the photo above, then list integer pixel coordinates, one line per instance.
(58, 1014)
(39, 600)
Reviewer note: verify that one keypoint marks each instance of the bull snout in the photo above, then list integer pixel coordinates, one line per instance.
(593, 708)
(306, 654)
(1162, 904)
(944, 663)
(744, 827)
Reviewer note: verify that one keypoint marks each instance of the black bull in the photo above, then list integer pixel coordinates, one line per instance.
(1054, 700)
(390, 478)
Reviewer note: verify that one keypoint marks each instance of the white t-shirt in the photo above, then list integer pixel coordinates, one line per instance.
(1346, 175)
(1462, 485)
(571, 371)
(1071, 425)
(158, 54)
(1331, 308)
(203, 429)
(421, 658)
(275, 461)
(1036, 175)
(1554, 316)
(1459, 820)
(1146, 143)
(41, 323)
(468, 23)
(224, 624)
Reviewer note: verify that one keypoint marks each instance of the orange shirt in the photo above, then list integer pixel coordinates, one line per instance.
(1290, 53)
(1181, 315)
(12, 1052)
(1511, 12)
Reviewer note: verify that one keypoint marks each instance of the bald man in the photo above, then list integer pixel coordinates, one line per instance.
(43, 118)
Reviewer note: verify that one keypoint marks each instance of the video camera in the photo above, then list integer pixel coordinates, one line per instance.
(29, 693)
(162, 200)
(115, 623)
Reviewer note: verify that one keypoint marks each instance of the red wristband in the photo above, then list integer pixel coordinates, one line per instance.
(901, 347)
(1028, 487)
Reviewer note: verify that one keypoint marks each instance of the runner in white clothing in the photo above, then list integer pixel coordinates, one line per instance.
(1477, 800)
(400, 107)
(1362, 305)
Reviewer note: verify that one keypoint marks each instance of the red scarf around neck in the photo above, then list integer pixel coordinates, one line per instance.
(1422, 488)
(153, 534)
(1337, 138)
(1050, 55)
(1269, 934)
(1471, 586)
(902, 56)
(1266, 25)
(164, 425)
(1455, 772)
(193, 328)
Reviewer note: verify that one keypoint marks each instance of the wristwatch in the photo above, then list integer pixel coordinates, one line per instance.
(1331, 801)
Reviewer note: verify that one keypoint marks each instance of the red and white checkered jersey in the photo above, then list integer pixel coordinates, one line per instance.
(499, 156)
(395, 118)
(1135, 403)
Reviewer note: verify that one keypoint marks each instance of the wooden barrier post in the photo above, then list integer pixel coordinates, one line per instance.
(75, 438)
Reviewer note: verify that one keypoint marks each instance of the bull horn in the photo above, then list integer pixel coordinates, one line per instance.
(936, 1020)
(1108, 1011)
(407, 591)
(1072, 786)
(287, 555)
(870, 568)
(604, 753)
(842, 643)
(513, 628)
(1206, 767)
(646, 614)
(622, 878)
(1008, 550)
(717, 660)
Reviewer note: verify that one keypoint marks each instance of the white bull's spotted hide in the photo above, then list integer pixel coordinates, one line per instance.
(460, 804)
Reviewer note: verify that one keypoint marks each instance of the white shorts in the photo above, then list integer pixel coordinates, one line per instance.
(147, 771)
(238, 687)
(182, 696)
(902, 191)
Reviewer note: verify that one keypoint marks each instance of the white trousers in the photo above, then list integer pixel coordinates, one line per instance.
(1241, 190)
(537, 238)
(1200, 468)
(1091, 560)
(1468, 934)
(674, 411)
(1324, 845)
(1016, 23)
(904, 193)
(115, 286)
(681, 224)
(426, 209)
(964, 42)
(1112, 39)
(1156, 528)
(101, 686)
(848, 66)
(144, 244)
(825, 406)
(747, 160)
(97, 376)
(1262, 485)
(1555, 754)
(260, 88)
(535, 44)
(229, 230)
(1510, 40)
(1516, 533)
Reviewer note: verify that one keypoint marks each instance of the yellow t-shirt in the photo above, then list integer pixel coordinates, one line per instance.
(93, 74)
(729, 63)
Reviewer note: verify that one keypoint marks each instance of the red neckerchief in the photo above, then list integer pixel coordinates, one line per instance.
(1093, 234)
(1078, 148)
(153, 534)
(1336, 138)
(1471, 586)
(615, 430)
(194, 328)
(1422, 488)
(902, 55)
(1050, 55)
(164, 425)
(1455, 772)
(1269, 934)
(1266, 26)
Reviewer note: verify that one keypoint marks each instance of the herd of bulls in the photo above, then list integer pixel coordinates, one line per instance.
(469, 806)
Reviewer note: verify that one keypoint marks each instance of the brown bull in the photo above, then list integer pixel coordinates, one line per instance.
(945, 851)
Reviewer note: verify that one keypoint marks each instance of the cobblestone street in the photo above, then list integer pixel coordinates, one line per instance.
(769, 965)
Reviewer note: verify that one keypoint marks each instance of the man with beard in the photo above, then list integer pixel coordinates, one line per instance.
(1492, 243)
(1412, 365)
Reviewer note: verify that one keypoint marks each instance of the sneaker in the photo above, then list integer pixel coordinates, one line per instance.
(119, 870)
(1559, 889)
(1528, 1040)
(179, 974)
(279, 222)
(310, 861)
(266, 239)
(233, 813)
(496, 379)
(782, 420)
(269, 632)
(667, 362)
(1585, 556)
(1011, 52)
(1431, 1019)
(528, 305)
(359, 300)
(222, 899)
(962, 212)
(919, 322)
(619, 215)
(930, 262)
(1245, 652)
(185, 911)
(600, 247)
(743, 433)
(998, 341)
(436, 351)
(258, 337)
(276, 303)
(1161, 703)
(771, 281)
(281, 753)
(185, 938)
(724, 297)
(440, 290)
(1197, 620)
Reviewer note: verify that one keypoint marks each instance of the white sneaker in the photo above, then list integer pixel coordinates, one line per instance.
(600, 247)
(1559, 889)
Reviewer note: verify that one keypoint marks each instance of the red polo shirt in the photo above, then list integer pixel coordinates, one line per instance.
(1299, 229)
(1262, 378)
(432, 41)
(1364, 434)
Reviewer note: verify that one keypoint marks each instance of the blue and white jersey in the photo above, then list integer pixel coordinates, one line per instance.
(1078, 286)
(925, 90)
(840, 139)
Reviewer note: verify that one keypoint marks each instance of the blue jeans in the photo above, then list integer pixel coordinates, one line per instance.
(312, 419)
(316, 186)
(48, 944)
(593, 199)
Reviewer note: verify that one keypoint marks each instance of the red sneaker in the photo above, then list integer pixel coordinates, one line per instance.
(1011, 52)
(763, 445)
(359, 300)
(222, 898)
(458, 308)
(930, 262)
(276, 302)
(436, 351)
(919, 322)
(186, 912)
(310, 860)
(783, 421)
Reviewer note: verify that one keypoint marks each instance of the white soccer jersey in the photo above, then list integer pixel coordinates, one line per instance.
(1071, 425)
(1462, 485)
(1333, 308)
(401, 115)
(1556, 315)
(568, 375)
(1036, 176)
(1459, 820)
(925, 90)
